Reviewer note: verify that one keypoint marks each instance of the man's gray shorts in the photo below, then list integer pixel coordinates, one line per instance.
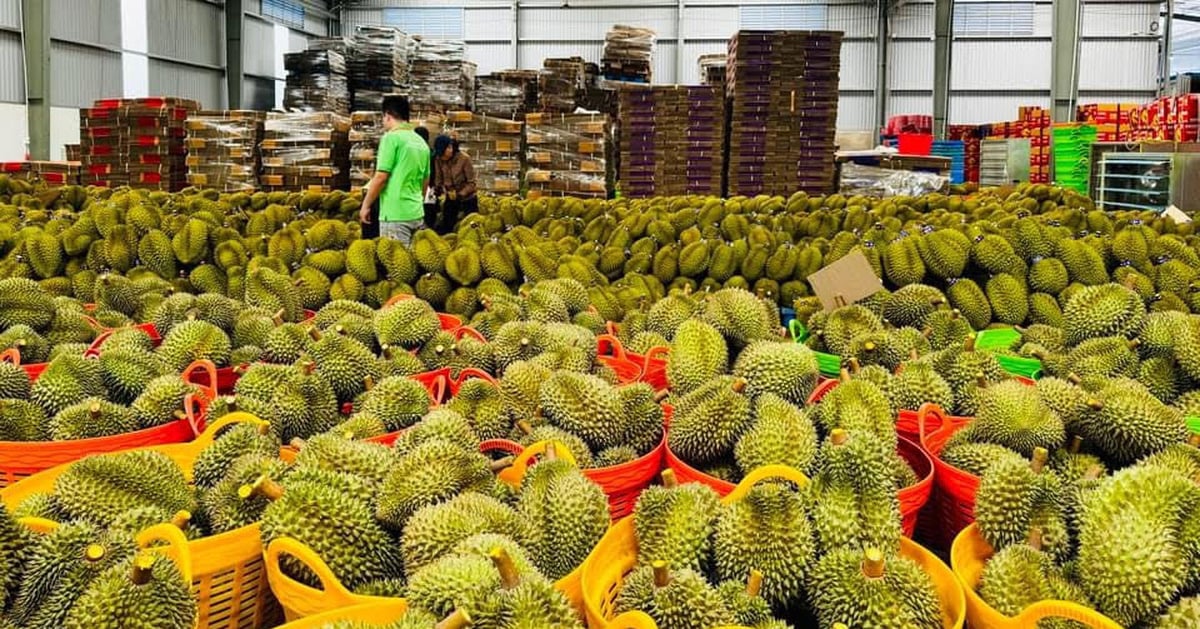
(400, 230)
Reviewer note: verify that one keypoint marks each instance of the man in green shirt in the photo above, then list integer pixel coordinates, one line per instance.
(401, 175)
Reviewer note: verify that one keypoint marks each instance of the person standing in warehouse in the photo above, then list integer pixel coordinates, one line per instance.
(401, 175)
(455, 178)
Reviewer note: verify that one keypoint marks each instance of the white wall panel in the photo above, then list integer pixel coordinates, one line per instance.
(1106, 19)
(663, 69)
(490, 58)
(488, 24)
(533, 54)
(14, 131)
(709, 22)
(910, 65)
(12, 68)
(856, 113)
(913, 19)
(909, 104)
(10, 13)
(1118, 65)
(855, 20)
(176, 79)
(86, 21)
(80, 75)
(997, 107)
(559, 24)
(64, 129)
(186, 30)
(858, 66)
(1000, 65)
(259, 53)
(691, 55)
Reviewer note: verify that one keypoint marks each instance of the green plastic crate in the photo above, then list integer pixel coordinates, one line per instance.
(829, 365)
(1018, 366)
(1000, 338)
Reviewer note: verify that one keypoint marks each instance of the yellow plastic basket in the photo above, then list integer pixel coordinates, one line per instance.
(300, 600)
(968, 555)
(615, 556)
(381, 612)
(227, 573)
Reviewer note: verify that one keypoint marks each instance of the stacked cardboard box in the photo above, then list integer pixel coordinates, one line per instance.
(970, 136)
(1169, 118)
(316, 81)
(138, 142)
(909, 123)
(565, 155)
(442, 78)
(1113, 121)
(366, 127)
(1037, 129)
(671, 140)
(784, 91)
(712, 69)
(627, 54)
(508, 94)
(72, 152)
(52, 173)
(560, 83)
(223, 149)
(1072, 143)
(494, 145)
(306, 150)
(378, 65)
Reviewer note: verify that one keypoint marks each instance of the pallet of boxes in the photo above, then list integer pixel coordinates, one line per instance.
(51, 173)
(507, 94)
(316, 79)
(494, 145)
(377, 65)
(560, 84)
(565, 155)
(783, 88)
(366, 127)
(305, 150)
(442, 78)
(223, 149)
(628, 51)
(139, 142)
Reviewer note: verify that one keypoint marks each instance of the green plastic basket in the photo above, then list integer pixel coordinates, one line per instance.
(798, 331)
(1019, 366)
(1193, 424)
(829, 364)
(1000, 338)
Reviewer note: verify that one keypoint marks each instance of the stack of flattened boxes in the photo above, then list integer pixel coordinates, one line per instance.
(316, 81)
(366, 127)
(560, 84)
(306, 150)
(377, 65)
(223, 149)
(637, 132)
(494, 145)
(671, 140)
(783, 90)
(565, 155)
(508, 94)
(138, 142)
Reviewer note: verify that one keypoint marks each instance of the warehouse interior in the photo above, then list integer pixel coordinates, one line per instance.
(599, 314)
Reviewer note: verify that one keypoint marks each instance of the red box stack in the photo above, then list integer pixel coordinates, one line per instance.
(138, 142)
(970, 135)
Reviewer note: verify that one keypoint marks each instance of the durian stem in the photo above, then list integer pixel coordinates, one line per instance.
(263, 429)
(508, 570)
(1074, 379)
(143, 567)
(314, 333)
(368, 382)
(1035, 538)
(844, 375)
(94, 410)
(551, 452)
(278, 316)
(662, 577)
(1093, 472)
(838, 436)
(856, 366)
(872, 566)
(1040, 456)
(912, 354)
(267, 488)
(94, 553)
(668, 479)
(1095, 405)
(754, 583)
(739, 385)
(181, 519)
(659, 396)
(981, 381)
(499, 465)
(524, 427)
(1194, 440)
(969, 344)
(297, 443)
(1076, 444)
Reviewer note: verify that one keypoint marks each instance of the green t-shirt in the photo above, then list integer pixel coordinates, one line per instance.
(404, 155)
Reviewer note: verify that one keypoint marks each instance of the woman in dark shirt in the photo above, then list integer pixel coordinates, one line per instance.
(454, 178)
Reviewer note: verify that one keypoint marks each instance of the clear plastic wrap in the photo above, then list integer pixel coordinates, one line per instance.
(510, 94)
(628, 52)
(566, 154)
(560, 83)
(441, 77)
(308, 150)
(365, 131)
(494, 145)
(316, 81)
(885, 182)
(222, 149)
(378, 65)
(712, 69)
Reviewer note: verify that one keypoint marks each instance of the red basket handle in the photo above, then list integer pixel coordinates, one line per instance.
(435, 382)
(94, 324)
(466, 330)
(610, 328)
(11, 355)
(654, 354)
(397, 298)
(931, 411)
(207, 366)
(195, 409)
(822, 389)
(93, 350)
(608, 345)
(501, 445)
(467, 374)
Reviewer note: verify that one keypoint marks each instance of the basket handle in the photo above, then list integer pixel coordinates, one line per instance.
(766, 472)
(607, 345)
(516, 472)
(797, 330)
(822, 389)
(93, 350)
(654, 354)
(610, 328)
(204, 439)
(931, 411)
(208, 367)
(330, 584)
(466, 330)
(471, 372)
(11, 355)
(1063, 609)
(179, 551)
(42, 526)
(631, 620)
(500, 445)
(94, 324)
(195, 408)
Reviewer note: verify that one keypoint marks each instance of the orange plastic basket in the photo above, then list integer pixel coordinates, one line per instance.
(952, 505)
(967, 557)
(604, 571)
(654, 366)
(610, 352)
(300, 600)
(228, 579)
(33, 370)
(148, 328)
(20, 459)
(453, 384)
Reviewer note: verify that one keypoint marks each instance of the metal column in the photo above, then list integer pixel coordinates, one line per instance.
(235, 65)
(942, 37)
(679, 45)
(882, 35)
(516, 34)
(1064, 72)
(35, 38)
